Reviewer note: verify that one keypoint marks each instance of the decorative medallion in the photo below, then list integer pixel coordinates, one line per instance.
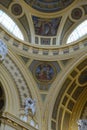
(16, 9)
(5, 3)
(76, 13)
(46, 27)
(44, 73)
(49, 5)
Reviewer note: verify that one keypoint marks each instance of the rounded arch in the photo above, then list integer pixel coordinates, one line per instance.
(58, 110)
(71, 29)
(78, 32)
(78, 110)
(10, 25)
(12, 102)
(16, 21)
(30, 86)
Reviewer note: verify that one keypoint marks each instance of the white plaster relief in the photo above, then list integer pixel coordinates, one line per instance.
(82, 124)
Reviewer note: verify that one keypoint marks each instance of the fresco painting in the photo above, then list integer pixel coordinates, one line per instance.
(46, 27)
(44, 72)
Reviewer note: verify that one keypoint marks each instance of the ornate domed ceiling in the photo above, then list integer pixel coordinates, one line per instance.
(44, 22)
(49, 5)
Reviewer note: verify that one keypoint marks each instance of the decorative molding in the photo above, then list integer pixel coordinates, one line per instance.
(15, 122)
(17, 76)
(53, 52)
(3, 50)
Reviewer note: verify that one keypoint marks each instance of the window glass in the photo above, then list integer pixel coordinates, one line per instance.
(10, 25)
(80, 31)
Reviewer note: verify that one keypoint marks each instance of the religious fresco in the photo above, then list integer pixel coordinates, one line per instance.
(46, 27)
(44, 72)
(49, 5)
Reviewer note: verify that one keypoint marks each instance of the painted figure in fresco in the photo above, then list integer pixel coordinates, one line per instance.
(44, 72)
(30, 104)
(46, 27)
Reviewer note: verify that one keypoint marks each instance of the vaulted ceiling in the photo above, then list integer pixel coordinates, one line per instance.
(43, 66)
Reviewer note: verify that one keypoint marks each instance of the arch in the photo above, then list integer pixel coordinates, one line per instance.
(10, 25)
(11, 103)
(15, 61)
(78, 110)
(78, 32)
(58, 100)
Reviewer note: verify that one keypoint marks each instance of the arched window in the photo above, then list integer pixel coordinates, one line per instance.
(80, 31)
(10, 25)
